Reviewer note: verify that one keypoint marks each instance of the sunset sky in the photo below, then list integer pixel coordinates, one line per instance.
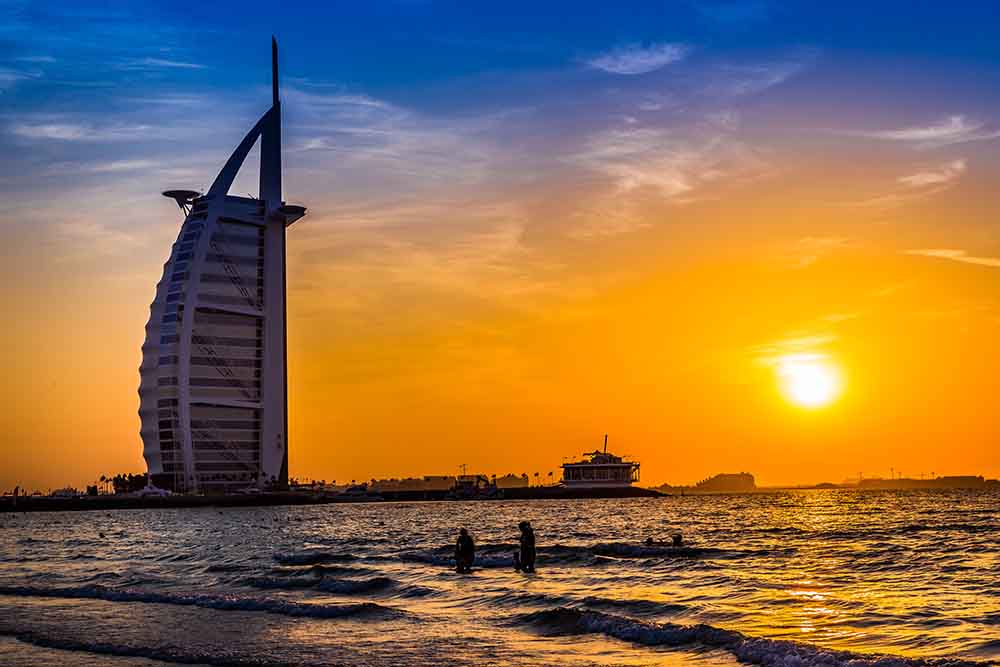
(529, 224)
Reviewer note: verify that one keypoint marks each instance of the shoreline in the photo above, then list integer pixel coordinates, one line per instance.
(112, 502)
(291, 498)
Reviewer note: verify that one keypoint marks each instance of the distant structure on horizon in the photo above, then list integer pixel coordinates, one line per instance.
(600, 470)
(727, 482)
(948, 482)
(732, 482)
(213, 389)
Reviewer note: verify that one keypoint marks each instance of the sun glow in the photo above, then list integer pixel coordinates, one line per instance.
(809, 380)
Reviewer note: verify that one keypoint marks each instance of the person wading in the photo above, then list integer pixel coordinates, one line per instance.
(465, 551)
(524, 560)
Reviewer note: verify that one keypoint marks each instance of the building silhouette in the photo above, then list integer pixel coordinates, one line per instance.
(213, 390)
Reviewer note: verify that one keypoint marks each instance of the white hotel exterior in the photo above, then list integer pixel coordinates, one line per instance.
(213, 390)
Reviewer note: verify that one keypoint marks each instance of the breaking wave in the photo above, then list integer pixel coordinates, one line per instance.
(218, 602)
(163, 654)
(751, 650)
(325, 584)
(313, 557)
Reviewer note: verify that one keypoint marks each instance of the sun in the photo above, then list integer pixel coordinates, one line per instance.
(809, 380)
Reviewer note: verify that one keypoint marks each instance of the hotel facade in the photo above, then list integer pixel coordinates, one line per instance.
(213, 380)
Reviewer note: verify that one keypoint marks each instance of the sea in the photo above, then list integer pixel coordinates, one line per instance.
(825, 577)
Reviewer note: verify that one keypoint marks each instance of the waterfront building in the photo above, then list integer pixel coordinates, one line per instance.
(600, 469)
(213, 388)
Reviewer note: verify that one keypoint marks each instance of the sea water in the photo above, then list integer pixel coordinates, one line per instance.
(798, 578)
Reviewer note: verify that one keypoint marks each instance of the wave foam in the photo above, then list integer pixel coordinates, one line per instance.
(752, 650)
(218, 602)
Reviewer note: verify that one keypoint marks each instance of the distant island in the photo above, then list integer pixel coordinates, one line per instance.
(730, 482)
(744, 482)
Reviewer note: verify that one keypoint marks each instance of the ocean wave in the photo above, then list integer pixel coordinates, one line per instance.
(159, 654)
(637, 607)
(313, 557)
(217, 602)
(751, 650)
(320, 570)
(325, 584)
(225, 567)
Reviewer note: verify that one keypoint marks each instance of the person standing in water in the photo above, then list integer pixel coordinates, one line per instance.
(524, 560)
(465, 552)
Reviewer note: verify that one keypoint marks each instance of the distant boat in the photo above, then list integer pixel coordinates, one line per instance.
(600, 470)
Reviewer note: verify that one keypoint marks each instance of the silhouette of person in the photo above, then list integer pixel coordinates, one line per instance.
(465, 551)
(678, 541)
(526, 557)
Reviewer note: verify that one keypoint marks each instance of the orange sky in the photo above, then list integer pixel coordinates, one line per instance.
(501, 287)
(483, 346)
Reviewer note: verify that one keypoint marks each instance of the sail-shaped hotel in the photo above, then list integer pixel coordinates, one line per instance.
(213, 390)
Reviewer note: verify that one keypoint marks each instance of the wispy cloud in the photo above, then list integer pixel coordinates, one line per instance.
(955, 256)
(741, 80)
(78, 132)
(152, 63)
(955, 129)
(9, 77)
(97, 237)
(36, 59)
(638, 59)
(924, 183)
(393, 144)
(112, 167)
(942, 175)
(667, 163)
(802, 347)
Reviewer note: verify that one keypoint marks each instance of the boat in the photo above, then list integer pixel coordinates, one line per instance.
(600, 469)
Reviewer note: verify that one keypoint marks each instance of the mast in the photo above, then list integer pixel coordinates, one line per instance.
(270, 142)
(274, 71)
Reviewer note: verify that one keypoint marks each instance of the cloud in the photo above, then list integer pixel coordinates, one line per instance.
(664, 162)
(741, 80)
(36, 59)
(943, 175)
(78, 132)
(929, 181)
(951, 130)
(152, 63)
(807, 346)
(955, 255)
(381, 143)
(10, 77)
(637, 59)
(98, 239)
(112, 167)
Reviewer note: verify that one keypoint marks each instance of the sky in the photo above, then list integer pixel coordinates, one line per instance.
(735, 236)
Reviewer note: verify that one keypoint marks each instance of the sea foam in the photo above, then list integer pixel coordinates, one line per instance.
(751, 650)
